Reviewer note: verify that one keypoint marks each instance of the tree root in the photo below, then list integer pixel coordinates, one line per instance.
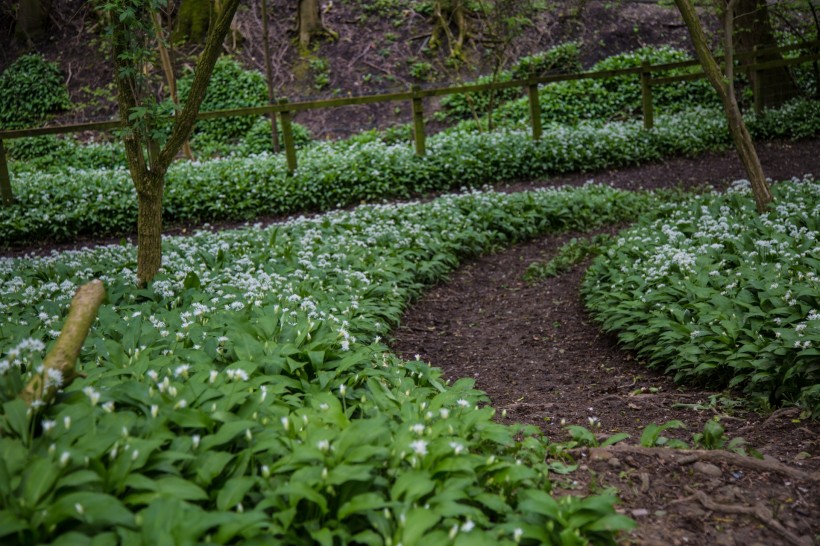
(763, 514)
(689, 456)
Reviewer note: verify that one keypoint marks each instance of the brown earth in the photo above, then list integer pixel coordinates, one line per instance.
(543, 360)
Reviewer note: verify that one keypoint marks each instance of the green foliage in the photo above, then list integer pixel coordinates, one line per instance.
(720, 295)
(31, 88)
(230, 87)
(561, 59)
(570, 254)
(245, 396)
(582, 436)
(618, 97)
(652, 435)
(342, 174)
(321, 72)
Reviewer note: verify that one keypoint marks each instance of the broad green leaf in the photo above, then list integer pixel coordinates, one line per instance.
(417, 522)
(233, 492)
(38, 479)
(361, 504)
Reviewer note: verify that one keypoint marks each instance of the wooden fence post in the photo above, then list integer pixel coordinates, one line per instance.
(646, 96)
(5, 182)
(535, 111)
(757, 90)
(287, 136)
(418, 122)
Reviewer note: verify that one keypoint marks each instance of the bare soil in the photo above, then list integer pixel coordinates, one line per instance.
(544, 361)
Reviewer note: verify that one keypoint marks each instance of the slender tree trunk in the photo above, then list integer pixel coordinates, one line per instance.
(274, 134)
(309, 23)
(32, 18)
(753, 28)
(149, 226)
(724, 85)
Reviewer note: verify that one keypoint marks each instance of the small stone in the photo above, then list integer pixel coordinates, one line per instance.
(660, 513)
(724, 540)
(640, 512)
(599, 455)
(708, 469)
(614, 462)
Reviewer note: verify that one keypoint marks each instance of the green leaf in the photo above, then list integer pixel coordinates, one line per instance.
(363, 503)
(98, 509)
(16, 417)
(10, 523)
(416, 524)
(180, 488)
(233, 492)
(38, 479)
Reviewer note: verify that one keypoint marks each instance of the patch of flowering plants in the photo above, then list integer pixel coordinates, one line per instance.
(720, 295)
(246, 396)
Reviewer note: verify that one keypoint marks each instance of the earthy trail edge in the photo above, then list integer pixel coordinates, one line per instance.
(540, 357)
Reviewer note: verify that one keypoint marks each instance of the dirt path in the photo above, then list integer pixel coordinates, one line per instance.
(540, 357)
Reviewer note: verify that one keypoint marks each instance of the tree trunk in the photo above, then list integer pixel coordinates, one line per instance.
(149, 226)
(309, 24)
(445, 14)
(269, 76)
(753, 29)
(193, 20)
(724, 85)
(32, 18)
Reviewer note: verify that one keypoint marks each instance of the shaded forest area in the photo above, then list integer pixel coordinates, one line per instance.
(378, 47)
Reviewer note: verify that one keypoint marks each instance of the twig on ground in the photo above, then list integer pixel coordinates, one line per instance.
(689, 456)
(763, 514)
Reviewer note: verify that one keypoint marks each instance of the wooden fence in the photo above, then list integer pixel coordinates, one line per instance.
(416, 95)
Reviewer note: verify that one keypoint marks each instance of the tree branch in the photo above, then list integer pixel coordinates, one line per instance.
(63, 355)
(184, 122)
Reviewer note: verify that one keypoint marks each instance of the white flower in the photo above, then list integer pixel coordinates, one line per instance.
(467, 526)
(463, 403)
(93, 395)
(285, 422)
(419, 447)
(65, 456)
(195, 439)
(48, 425)
(418, 428)
(517, 534)
(457, 448)
(323, 445)
(444, 412)
(79, 508)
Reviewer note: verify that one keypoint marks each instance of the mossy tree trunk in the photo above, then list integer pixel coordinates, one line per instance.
(753, 28)
(446, 14)
(723, 82)
(309, 24)
(193, 20)
(148, 161)
(32, 19)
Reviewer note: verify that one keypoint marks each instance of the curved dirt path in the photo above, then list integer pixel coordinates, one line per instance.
(540, 357)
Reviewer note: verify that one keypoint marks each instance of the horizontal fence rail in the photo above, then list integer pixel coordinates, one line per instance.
(416, 94)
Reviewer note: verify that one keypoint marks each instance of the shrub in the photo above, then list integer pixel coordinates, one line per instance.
(230, 87)
(721, 295)
(560, 59)
(341, 174)
(31, 88)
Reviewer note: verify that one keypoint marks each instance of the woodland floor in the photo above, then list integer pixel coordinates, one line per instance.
(538, 355)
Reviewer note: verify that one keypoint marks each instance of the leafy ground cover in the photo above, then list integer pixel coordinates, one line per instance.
(246, 393)
(720, 295)
(64, 205)
(543, 360)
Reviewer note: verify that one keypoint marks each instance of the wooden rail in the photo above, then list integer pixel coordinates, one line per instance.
(416, 96)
